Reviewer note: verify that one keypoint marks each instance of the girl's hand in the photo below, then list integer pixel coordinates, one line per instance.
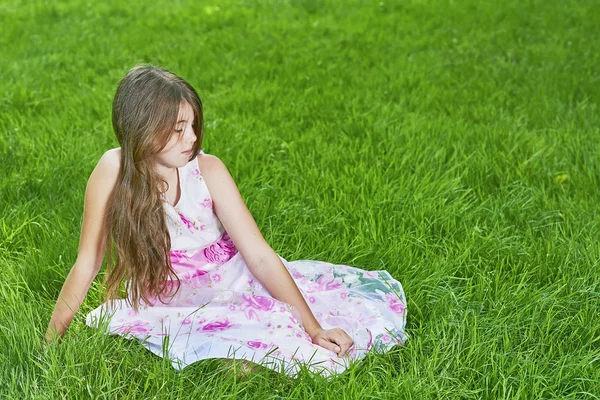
(335, 340)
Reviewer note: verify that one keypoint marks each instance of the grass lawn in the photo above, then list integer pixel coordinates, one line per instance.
(454, 143)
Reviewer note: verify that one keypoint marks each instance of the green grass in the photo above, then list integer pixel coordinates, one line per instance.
(453, 143)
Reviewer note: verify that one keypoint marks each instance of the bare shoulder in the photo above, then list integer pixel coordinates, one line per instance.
(105, 174)
(210, 165)
(219, 182)
(110, 163)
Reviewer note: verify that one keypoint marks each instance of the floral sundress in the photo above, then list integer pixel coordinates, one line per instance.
(222, 311)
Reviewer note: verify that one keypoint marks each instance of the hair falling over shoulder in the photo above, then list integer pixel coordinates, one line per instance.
(144, 114)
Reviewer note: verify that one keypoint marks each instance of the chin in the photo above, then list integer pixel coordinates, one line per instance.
(186, 159)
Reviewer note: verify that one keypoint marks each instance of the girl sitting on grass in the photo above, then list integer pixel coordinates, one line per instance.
(201, 281)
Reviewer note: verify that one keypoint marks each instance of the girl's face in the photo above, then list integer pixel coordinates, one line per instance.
(179, 147)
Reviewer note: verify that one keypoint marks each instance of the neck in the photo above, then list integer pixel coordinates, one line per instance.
(165, 172)
(169, 177)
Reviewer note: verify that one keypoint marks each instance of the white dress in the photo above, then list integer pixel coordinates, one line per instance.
(222, 311)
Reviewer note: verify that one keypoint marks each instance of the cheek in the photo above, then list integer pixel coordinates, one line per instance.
(170, 144)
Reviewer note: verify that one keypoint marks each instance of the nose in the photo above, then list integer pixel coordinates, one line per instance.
(190, 136)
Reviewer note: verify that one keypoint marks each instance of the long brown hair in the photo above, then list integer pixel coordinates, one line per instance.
(144, 114)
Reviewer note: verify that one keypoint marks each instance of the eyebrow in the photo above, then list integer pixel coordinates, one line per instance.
(182, 120)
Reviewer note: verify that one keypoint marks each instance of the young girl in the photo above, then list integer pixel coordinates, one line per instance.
(201, 281)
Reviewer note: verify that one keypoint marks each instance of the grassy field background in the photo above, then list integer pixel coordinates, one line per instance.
(454, 143)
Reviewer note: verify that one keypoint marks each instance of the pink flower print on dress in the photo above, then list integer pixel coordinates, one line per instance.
(255, 344)
(370, 274)
(297, 275)
(187, 222)
(252, 303)
(200, 279)
(251, 314)
(325, 282)
(196, 172)
(198, 272)
(135, 327)
(207, 203)
(218, 325)
(220, 251)
(178, 255)
(216, 278)
(394, 303)
(258, 302)
(215, 253)
(185, 276)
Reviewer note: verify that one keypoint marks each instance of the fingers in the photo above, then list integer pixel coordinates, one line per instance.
(343, 340)
(329, 345)
(335, 340)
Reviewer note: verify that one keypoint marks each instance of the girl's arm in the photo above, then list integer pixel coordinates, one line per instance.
(92, 244)
(262, 261)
